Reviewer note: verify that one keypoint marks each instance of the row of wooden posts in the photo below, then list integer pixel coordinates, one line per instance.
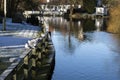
(33, 64)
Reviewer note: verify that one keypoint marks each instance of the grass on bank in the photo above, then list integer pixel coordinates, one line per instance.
(114, 21)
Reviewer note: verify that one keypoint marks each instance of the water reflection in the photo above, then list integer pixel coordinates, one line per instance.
(116, 42)
(99, 24)
(76, 28)
(84, 51)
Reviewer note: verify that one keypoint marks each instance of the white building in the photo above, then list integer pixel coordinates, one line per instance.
(101, 9)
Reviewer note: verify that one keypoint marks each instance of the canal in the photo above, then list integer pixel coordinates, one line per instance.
(84, 50)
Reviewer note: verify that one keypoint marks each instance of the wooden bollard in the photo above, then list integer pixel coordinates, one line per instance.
(34, 63)
(39, 58)
(26, 68)
(14, 77)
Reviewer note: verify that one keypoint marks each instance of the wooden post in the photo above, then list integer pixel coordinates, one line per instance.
(33, 64)
(15, 76)
(26, 68)
(4, 19)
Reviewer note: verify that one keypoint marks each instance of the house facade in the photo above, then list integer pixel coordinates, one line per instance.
(101, 9)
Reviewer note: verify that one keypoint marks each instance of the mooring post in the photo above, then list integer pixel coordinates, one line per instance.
(15, 76)
(34, 58)
(26, 67)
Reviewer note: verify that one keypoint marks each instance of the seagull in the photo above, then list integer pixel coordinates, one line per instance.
(33, 43)
(42, 35)
(27, 46)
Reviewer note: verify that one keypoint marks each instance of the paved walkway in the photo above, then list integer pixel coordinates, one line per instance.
(12, 41)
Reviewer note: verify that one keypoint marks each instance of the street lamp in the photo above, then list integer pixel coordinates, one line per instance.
(4, 19)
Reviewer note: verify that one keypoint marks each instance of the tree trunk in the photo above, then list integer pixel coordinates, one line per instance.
(1, 8)
(12, 7)
(4, 19)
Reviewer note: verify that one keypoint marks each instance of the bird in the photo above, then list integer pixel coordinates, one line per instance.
(27, 46)
(33, 43)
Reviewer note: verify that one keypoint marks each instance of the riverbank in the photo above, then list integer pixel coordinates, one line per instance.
(35, 62)
(79, 16)
(114, 21)
(12, 41)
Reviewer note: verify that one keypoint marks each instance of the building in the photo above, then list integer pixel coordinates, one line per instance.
(101, 9)
(54, 7)
(44, 1)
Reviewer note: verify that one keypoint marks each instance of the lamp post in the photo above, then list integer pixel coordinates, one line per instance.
(4, 19)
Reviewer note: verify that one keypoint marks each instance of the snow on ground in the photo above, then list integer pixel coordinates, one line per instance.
(12, 40)
(23, 30)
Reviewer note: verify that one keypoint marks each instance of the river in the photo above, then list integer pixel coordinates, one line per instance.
(84, 50)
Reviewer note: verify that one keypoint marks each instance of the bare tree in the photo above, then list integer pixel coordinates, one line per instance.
(15, 5)
(1, 7)
(89, 5)
(12, 6)
(73, 4)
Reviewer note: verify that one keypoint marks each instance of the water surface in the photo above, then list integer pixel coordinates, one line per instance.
(84, 50)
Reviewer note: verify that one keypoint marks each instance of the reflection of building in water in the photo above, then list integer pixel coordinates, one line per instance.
(80, 34)
(80, 31)
(66, 27)
(99, 24)
(58, 23)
